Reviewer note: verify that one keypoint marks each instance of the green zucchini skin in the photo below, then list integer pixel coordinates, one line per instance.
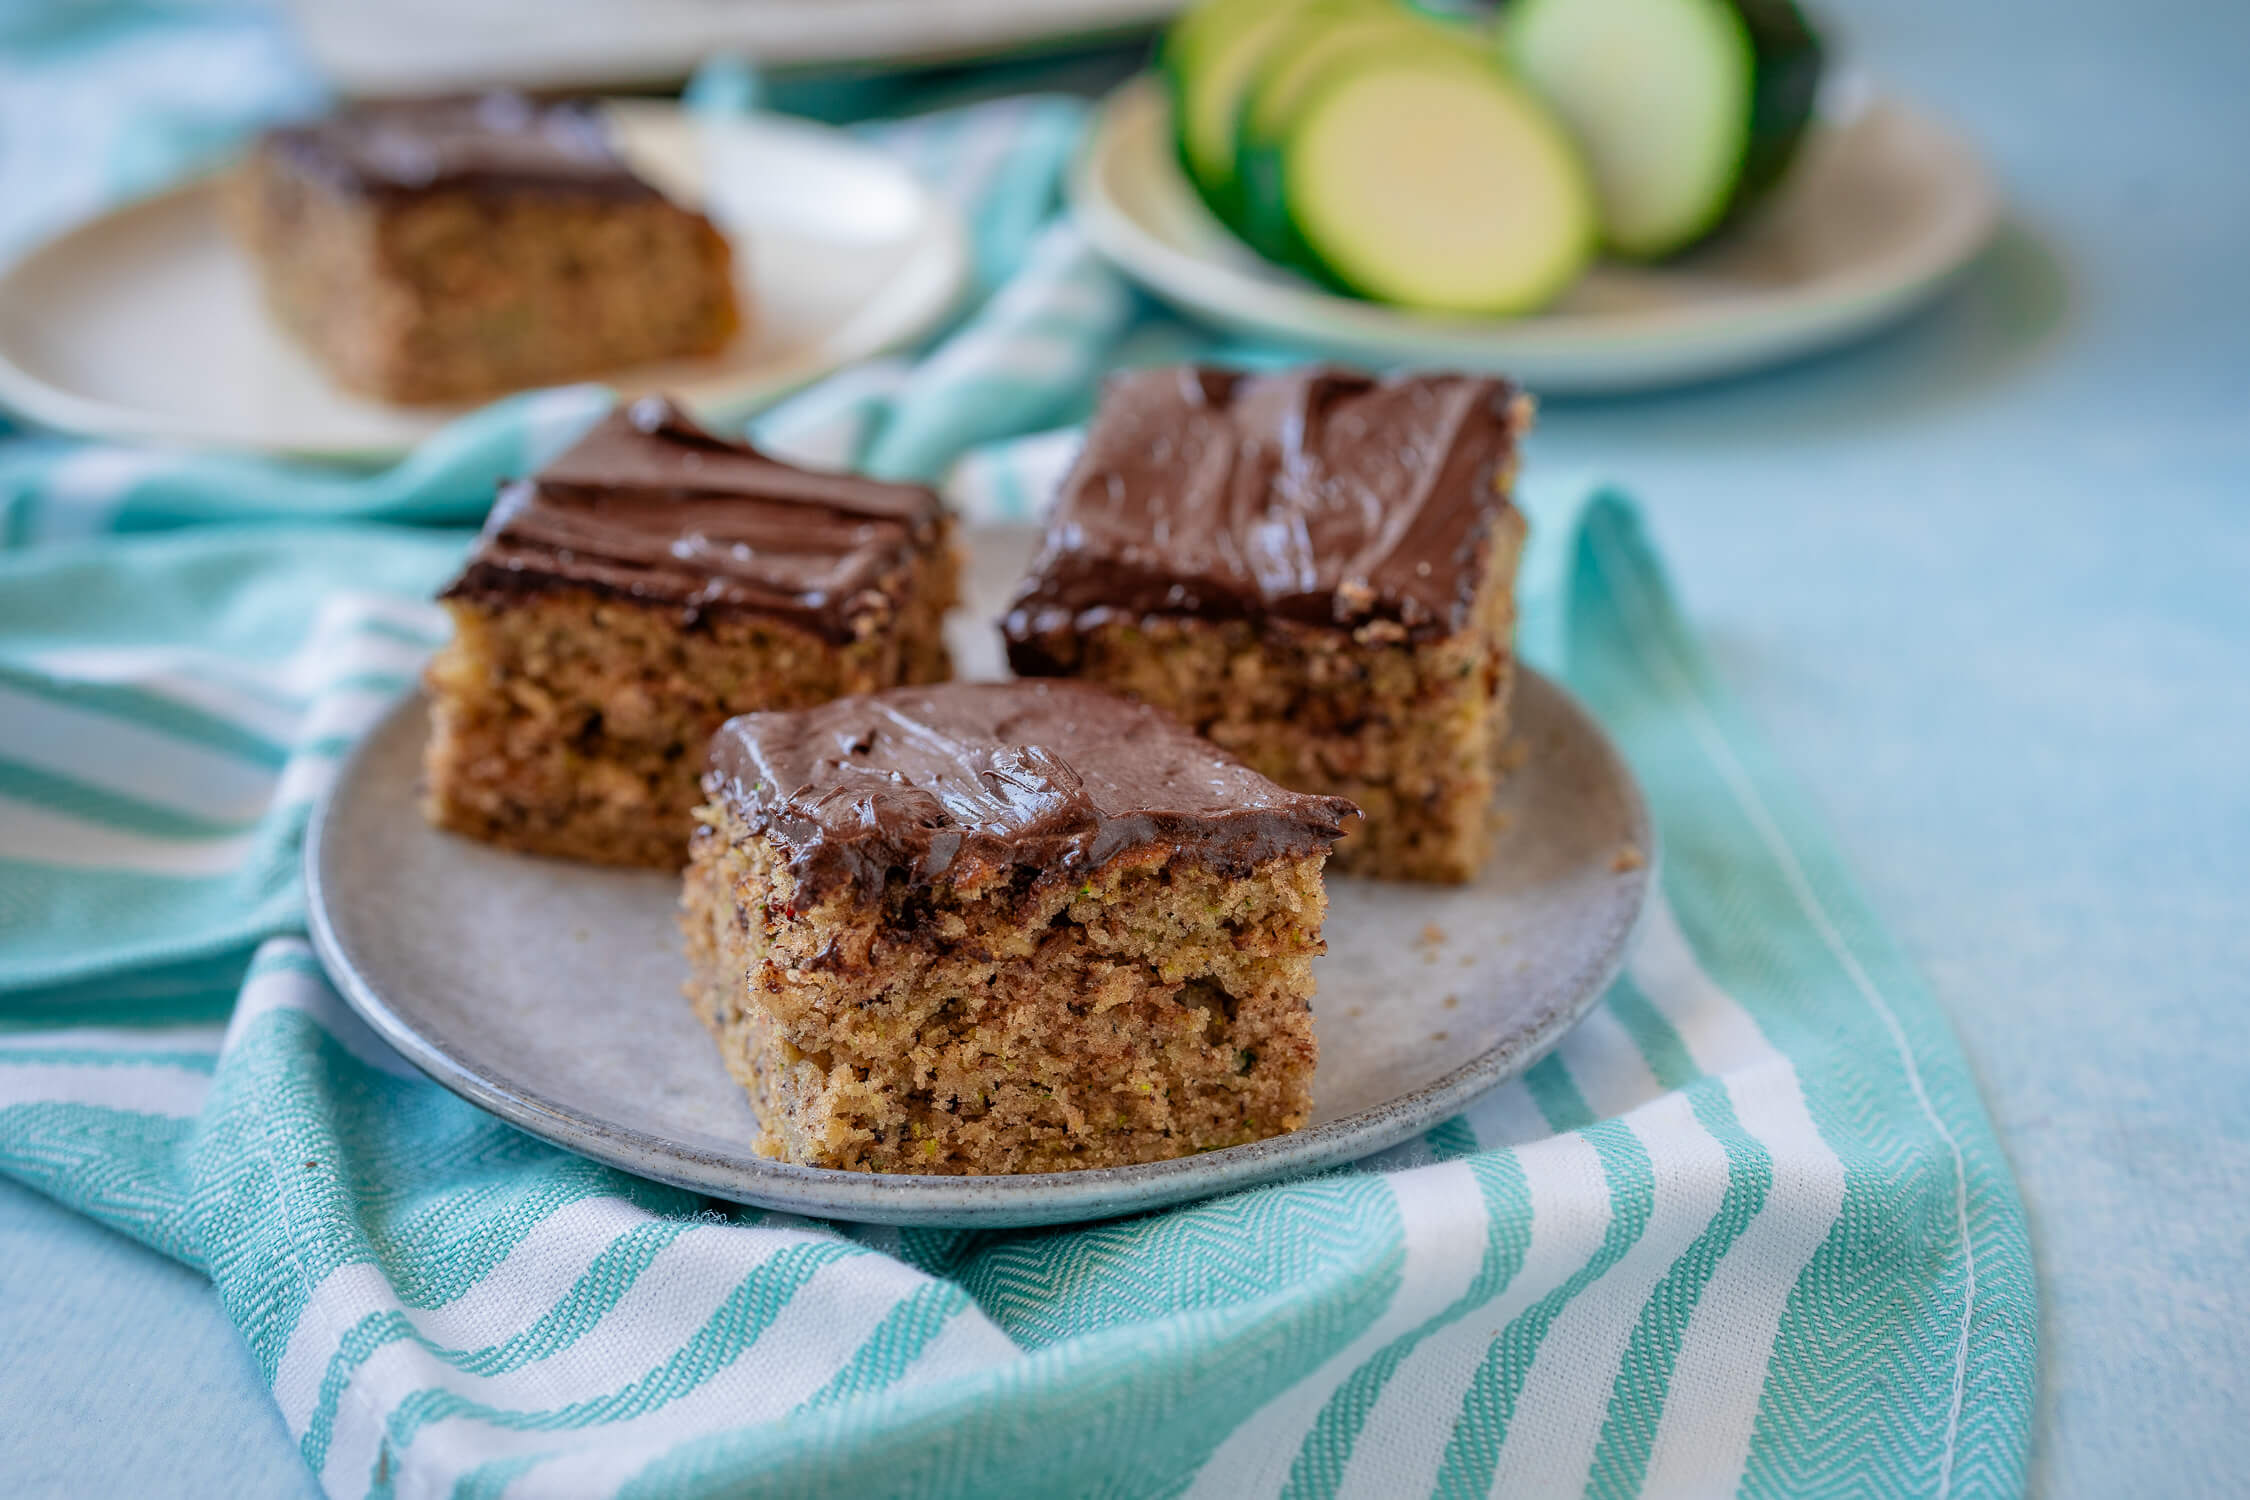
(1787, 65)
(1206, 37)
(1261, 215)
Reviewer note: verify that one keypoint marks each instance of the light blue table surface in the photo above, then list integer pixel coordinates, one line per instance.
(1986, 583)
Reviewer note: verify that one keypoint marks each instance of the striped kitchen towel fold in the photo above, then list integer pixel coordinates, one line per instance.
(1747, 1231)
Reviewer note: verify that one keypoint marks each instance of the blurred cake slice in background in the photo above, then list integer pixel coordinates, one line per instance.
(458, 248)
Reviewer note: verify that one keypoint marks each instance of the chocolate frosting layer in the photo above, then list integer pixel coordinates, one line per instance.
(650, 506)
(485, 143)
(1317, 495)
(926, 783)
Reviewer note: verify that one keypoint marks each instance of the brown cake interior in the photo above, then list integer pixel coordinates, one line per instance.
(1153, 1009)
(648, 584)
(1316, 570)
(574, 723)
(1004, 928)
(1411, 731)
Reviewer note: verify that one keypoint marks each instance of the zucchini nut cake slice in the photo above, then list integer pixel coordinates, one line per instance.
(447, 249)
(1004, 927)
(1316, 569)
(629, 598)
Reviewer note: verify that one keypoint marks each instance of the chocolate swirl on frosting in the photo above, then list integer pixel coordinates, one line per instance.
(652, 507)
(1318, 495)
(929, 783)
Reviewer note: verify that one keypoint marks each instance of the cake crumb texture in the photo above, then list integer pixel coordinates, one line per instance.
(648, 583)
(1414, 732)
(1315, 569)
(1151, 1009)
(574, 723)
(470, 284)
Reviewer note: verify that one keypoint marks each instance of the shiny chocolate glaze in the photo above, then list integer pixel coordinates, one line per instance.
(490, 143)
(1315, 495)
(651, 507)
(920, 784)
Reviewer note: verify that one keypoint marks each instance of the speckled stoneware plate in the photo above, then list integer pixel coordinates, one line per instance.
(549, 992)
(145, 324)
(1884, 205)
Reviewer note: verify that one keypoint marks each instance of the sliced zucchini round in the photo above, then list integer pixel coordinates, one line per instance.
(1315, 37)
(1209, 58)
(1430, 179)
(1687, 109)
(1314, 40)
(1783, 92)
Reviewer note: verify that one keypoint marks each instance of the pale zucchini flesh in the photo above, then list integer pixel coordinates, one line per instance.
(1306, 49)
(1686, 109)
(1434, 181)
(1292, 64)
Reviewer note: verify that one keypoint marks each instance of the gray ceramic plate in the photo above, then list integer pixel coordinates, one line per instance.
(549, 992)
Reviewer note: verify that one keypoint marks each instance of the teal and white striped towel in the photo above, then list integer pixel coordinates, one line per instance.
(1748, 1231)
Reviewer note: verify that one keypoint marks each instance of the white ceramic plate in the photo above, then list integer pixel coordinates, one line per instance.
(145, 324)
(1884, 205)
(549, 992)
(437, 46)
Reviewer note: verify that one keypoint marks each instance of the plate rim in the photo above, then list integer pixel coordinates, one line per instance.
(667, 48)
(998, 1201)
(1765, 329)
(941, 235)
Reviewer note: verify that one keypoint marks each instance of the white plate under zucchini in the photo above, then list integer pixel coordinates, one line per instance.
(1468, 169)
(1882, 206)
